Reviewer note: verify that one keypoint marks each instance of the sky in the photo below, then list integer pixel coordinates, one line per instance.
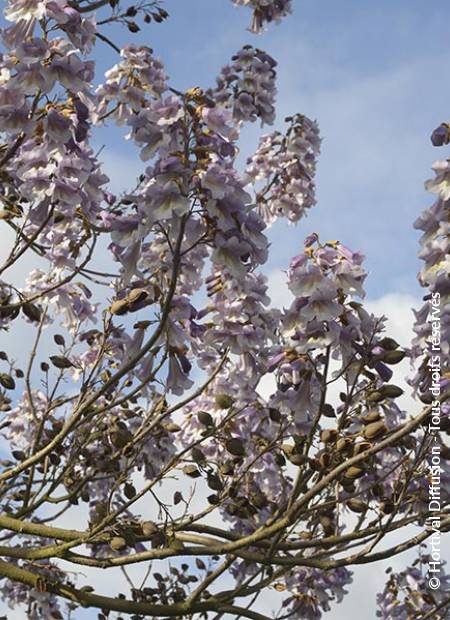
(375, 76)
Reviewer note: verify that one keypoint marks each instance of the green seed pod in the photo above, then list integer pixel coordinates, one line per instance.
(59, 361)
(391, 391)
(389, 344)
(235, 447)
(393, 357)
(205, 418)
(32, 312)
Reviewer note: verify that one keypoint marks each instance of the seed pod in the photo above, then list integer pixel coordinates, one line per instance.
(132, 26)
(298, 459)
(117, 543)
(129, 490)
(361, 447)
(389, 344)
(59, 339)
(149, 528)
(214, 482)
(171, 427)
(343, 444)
(328, 411)
(393, 357)
(354, 472)
(391, 391)
(205, 418)
(32, 312)
(387, 507)
(191, 471)
(325, 460)
(119, 307)
(223, 401)
(356, 505)
(198, 455)
(375, 397)
(348, 485)
(371, 416)
(227, 468)
(259, 500)
(375, 430)
(137, 295)
(328, 435)
(7, 381)
(235, 447)
(60, 361)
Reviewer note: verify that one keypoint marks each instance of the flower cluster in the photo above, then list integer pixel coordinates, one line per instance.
(247, 86)
(286, 165)
(266, 11)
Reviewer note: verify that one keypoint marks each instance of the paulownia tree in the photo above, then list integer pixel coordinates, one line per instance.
(137, 413)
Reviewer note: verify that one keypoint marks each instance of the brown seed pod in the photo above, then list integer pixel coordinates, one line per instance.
(375, 397)
(328, 435)
(7, 381)
(371, 416)
(361, 447)
(343, 444)
(356, 505)
(137, 295)
(149, 528)
(120, 307)
(375, 430)
(354, 472)
(117, 543)
(325, 460)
